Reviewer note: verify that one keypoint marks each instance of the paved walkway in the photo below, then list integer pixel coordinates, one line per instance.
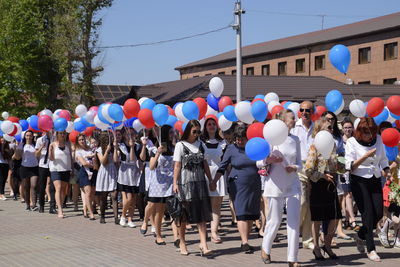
(34, 239)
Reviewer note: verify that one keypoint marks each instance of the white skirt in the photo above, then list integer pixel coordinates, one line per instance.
(221, 184)
(106, 180)
(129, 174)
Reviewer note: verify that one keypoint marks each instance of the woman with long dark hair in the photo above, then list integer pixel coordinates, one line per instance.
(29, 169)
(60, 155)
(5, 155)
(214, 146)
(190, 171)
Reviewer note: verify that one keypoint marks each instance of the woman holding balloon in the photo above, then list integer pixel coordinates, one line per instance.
(282, 186)
(214, 146)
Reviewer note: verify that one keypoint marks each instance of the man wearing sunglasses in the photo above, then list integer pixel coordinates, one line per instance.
(303, 130)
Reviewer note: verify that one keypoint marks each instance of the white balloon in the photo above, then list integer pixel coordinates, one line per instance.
(223, 123)
(55, 114)
(46, 112)
(324, 143)
(8, 138)
(272, 104)
(295, 107)
(271, 97)
(142, 99)
(211, 111)
(357, 108)
(340, 109)
(137, 125)
(216, 86)
(202, 121)
(89, 116)
(99, 124)
(70, 127)
(243, 112)
(356, 122)
(19, 128)
(390, 118)
(275, 132)
(179, 113)
(81, 110)
(5, 115)
(7, 127)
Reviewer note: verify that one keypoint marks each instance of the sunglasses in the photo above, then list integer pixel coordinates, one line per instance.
(196, 132)
(305, 110)
(330, 119)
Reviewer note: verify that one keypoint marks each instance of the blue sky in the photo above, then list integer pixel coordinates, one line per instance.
(132, 22)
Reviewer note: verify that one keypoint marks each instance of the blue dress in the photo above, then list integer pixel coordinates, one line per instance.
(244, 183)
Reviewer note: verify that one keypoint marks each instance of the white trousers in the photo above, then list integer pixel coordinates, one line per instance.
(274, 221)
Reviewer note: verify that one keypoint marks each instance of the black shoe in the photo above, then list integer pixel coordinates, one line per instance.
(92, 219)
(246, 248)
(332, 256)
(234, 224)
(34, 208)
(15, 198)
(116, 221)
(102, 220)
(143, 232)
(318, 258)
(41, 209)
(161, 243)
(52, 210)
(28, 208)
(177, 242)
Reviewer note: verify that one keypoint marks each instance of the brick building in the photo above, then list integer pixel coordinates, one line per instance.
(373, 45)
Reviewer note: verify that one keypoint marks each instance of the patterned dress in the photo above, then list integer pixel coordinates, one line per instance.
(193, 189)
(161, 183)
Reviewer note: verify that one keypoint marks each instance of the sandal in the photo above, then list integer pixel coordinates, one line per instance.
(354, 226)
(373, 256)
(216, 240)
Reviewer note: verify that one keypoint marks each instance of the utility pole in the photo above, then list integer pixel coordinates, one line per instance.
(322, 21)
(239, 69)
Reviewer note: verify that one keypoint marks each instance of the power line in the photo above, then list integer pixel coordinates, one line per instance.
(166, 41)
(310, 15)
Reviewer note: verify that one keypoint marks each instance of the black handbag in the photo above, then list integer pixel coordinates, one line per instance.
(175, 209)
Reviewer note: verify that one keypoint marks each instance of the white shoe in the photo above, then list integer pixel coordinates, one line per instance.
(131, 225)
(373, 256)
(122, 222)
(397, 244)
(383, 239)
(308, 245)
(3, 198)
(153, 229)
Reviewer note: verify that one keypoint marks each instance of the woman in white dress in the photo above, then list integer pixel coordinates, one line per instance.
(213, 149)
(282, 185)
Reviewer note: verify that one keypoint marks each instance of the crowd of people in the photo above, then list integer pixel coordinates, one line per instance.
(144, 170)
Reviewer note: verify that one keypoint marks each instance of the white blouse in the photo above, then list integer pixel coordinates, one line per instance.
(279, 182)
(28, 155)
(372, 166)
(62, 160)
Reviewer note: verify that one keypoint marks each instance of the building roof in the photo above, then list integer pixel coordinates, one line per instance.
(360, 28)
(291, 88)
(105, 93)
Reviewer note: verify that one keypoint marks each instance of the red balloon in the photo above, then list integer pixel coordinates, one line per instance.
(13, 119)
(145, 117)
(390, 137)
(89, 131)
(202, 105)
(95, 109)
(393, 104)
(45, 123)
(269, 116)
(224, 101)
(275, 110)
(72, 136)
(320, 110)
(212, 116)
(33, 130)
(171, 111)
(131, 108)
(375, 107)
(65, 114)
(255, 130)
(178, 126)
(398, 124)
(283, 103)
(256, 99)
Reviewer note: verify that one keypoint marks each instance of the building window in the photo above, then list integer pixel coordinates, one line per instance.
(221, 73)
(364, 55)
(365, 82)
(320, 62)
(300, 65)
(265, 70)
(389, 81)
(233, 72)
(207, 74)
(390, 51)
(282, 67)
(250, 71)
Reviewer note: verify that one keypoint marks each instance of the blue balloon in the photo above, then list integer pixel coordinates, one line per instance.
(391, 152)
(24, 125)
(286, 105)
(160, 114)
(129, 122)
(382, 117)
(212, 101)
(100, 115)
(394, 116)
(116, 113)
(257, 148)
(259, 110)
(219, 114)
(333, 100)
(260, 97)
(184, 126)
(60, 124)
(115, 125)
(18, 137)
(86, 122)
(176, 104)
(79, 126)
(339, 56)
(148, 103)
(190, 110)
(33, 122)
(229, 113)
(171, 120)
